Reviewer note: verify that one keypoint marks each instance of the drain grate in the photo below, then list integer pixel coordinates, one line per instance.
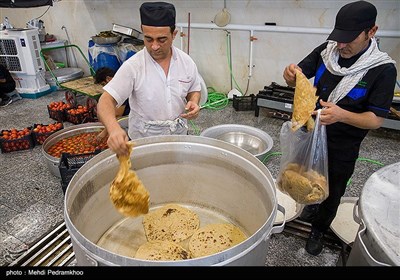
(55, 249)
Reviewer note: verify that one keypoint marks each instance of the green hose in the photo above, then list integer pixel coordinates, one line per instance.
(268, 155)
(215, 101)
(367, 160)
(195, 128)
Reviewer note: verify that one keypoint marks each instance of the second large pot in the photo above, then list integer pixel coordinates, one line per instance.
(202, 173)
(54, 162)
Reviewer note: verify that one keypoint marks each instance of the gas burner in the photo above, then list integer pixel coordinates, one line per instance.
(277, 92)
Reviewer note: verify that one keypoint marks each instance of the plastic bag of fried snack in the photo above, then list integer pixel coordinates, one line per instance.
(303, 173)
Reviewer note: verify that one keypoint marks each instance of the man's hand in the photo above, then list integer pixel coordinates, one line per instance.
(192, 110)
(331, 113)
(289, 74)
(117, 140)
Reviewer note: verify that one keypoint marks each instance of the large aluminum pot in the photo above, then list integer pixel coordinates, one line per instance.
(208, 174)
(53, 162)
(377, 242)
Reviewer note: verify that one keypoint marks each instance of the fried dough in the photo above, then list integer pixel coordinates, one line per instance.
(127, 192)
(304, 101)
(304, 187)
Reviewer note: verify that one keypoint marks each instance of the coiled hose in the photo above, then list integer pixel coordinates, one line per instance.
(215, 101)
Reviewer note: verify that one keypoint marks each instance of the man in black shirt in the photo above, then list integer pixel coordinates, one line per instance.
(355, 83)
(7, 85)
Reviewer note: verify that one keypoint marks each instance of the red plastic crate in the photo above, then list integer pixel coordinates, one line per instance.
(10, 145)
(40, 137)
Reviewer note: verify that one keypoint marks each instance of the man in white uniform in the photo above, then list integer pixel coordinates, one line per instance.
(161, 82)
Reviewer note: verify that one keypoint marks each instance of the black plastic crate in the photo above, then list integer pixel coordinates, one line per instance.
(77, 118)
(70, 164)
(11, 145)
(92, 116)
(40, 137)
(245, 103)
(58, 115)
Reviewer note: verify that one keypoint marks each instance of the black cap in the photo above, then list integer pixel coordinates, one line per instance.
(351, 20)
(157, 14)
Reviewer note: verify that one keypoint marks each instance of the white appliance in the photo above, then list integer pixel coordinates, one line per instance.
(20, 53)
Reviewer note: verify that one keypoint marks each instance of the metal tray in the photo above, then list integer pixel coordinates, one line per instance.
(126, 30)
(65, 74)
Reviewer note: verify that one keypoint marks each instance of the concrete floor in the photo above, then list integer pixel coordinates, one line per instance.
(31, 198)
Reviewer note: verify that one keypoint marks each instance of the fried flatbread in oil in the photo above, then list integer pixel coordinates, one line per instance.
(171, 223)
(214, 238)
(304, 101)
(162, 251)
(127, 192)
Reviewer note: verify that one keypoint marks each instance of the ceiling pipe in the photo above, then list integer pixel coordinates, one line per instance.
(279, 29)
(268, 28)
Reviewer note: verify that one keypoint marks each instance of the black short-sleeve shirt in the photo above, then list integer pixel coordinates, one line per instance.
(373, 93)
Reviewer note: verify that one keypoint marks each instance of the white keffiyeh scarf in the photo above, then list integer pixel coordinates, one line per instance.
(371, 58)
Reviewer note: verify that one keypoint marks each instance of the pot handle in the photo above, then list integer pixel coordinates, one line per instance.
(92, 261)
(278, 228)
(371, 260)
(356, 216)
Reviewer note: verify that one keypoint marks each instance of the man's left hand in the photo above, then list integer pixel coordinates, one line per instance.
(330, 114)
(192, 110)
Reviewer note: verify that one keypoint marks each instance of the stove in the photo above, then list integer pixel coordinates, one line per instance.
(279, 99)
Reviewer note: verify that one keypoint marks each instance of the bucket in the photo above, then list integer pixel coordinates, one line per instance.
(104, 59)
(104, 56)
(211, 177)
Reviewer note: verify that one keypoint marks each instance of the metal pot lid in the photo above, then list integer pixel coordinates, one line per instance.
(379, 209)
(65, 74)
(344, 225)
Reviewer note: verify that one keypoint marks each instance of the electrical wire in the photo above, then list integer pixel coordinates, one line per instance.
(44, 12)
